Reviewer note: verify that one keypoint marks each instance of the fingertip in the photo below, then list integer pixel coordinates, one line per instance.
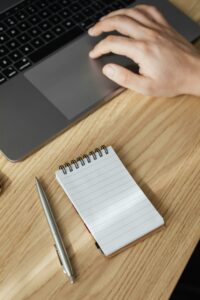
(109, 70)
(90, 31)
(91, 54)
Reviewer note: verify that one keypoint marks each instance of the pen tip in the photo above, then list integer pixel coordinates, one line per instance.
(71, 279)
(37, 183)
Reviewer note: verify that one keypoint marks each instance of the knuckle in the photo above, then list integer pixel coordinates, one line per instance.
(122, 10)
(153, 9)
(124, 78)
(131, 9)
(154, 35)
(118, 19)
(149, 88)
(146, 7)
(144, 46)
(112, 20)
(110, 38)
(137, 10)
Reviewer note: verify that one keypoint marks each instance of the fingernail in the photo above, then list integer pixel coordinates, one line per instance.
(91, 54)
(109, 71)
(90, 31)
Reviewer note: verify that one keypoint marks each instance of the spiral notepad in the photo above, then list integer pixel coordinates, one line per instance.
(107, 198)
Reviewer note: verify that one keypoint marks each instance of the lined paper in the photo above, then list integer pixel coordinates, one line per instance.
(111, 204)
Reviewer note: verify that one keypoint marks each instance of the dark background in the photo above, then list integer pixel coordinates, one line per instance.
(188, 287)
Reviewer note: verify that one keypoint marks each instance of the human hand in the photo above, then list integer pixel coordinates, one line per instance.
(168, 64)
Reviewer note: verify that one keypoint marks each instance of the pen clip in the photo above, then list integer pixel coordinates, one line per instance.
(59, 258)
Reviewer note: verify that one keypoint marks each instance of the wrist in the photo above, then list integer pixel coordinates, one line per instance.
(192, 84)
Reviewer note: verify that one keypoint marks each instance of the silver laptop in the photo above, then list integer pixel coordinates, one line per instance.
(47, 81)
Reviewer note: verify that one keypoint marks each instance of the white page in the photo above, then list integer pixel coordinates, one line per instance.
(109, 201)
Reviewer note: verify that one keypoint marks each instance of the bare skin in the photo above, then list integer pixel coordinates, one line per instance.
(169, 65)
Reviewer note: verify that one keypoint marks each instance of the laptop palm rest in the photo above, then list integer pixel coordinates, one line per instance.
(72, 81)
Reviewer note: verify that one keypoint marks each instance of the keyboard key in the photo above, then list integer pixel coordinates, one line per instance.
(10, 72)
(58, 30)
(96, 6)
(15, 55)
(34, 20)
(3, 37)
(86, 24)
(24, 25)
(75, 7)
(5, 62)
(65, 13)
(2, 28)
(44, 13)
(13, 32)
(26, 49)
(2, 78)
(118, 5)
(14, 44)
(107, 10)
(98, 16)
(24, 38)
(42, 4)
(34, 32)
(86, 3)
(22, 64)
(47, 36)
(55, 44)
(88, 11)
(68, 24)
(65, 2)
(3, 51)
(44, 26)
(78, 17)
(10, 21)
(55, 7)
(21, 15)
(37, 43)
(55, 19)
(31, 9)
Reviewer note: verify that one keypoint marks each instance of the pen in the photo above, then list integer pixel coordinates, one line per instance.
(60, 248)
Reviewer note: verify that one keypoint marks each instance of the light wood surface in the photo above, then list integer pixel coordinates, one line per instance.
(159, 142)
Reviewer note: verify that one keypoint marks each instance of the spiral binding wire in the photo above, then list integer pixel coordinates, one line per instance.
(82, 160)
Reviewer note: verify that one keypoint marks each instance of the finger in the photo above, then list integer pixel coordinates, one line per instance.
(154, 13)
(117, 45)
(123, 24)
(135, 13)
(126, 78)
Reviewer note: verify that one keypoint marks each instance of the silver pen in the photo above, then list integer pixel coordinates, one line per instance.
(60, 248)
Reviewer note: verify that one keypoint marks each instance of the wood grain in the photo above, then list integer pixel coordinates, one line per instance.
(159, 142)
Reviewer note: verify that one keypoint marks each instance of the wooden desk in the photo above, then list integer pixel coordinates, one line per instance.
(159, 141)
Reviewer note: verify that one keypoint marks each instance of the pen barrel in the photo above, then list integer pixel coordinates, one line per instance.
(61, 251)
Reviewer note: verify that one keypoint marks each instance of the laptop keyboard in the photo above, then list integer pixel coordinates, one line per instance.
(32, 30)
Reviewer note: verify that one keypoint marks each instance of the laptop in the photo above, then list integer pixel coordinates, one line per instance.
(47, 80)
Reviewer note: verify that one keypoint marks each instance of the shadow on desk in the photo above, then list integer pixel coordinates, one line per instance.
(4, 182)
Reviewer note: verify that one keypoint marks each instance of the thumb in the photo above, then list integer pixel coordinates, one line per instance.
(127, 79)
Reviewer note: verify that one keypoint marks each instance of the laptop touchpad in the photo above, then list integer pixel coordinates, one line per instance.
(70, 79)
